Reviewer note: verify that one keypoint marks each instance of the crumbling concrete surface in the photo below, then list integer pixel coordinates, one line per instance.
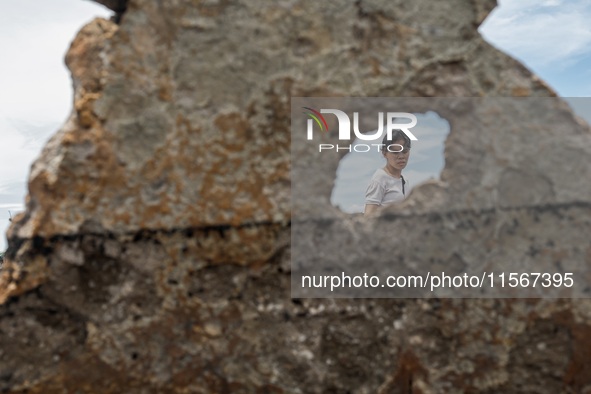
(153, 255)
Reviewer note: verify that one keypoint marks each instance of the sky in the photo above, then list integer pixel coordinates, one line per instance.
(551, 37)
(35, 86)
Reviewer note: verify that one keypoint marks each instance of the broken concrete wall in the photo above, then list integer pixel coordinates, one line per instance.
(154, 252)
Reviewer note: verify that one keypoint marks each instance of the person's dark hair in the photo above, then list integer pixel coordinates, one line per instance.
(397, 135)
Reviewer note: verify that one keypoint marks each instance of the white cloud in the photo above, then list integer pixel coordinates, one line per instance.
(541, 33)
(36, 93)
(14, 159)
(34, 36)
(16, 207)
(552, 3)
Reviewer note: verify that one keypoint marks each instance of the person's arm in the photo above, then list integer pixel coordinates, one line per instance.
(370, 209)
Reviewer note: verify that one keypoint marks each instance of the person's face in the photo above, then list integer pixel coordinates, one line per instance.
(397, 160)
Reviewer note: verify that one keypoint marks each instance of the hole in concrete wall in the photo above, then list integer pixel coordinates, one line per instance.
(426, 162)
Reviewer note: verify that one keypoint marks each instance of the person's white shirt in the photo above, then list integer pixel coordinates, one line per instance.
(384, 189)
